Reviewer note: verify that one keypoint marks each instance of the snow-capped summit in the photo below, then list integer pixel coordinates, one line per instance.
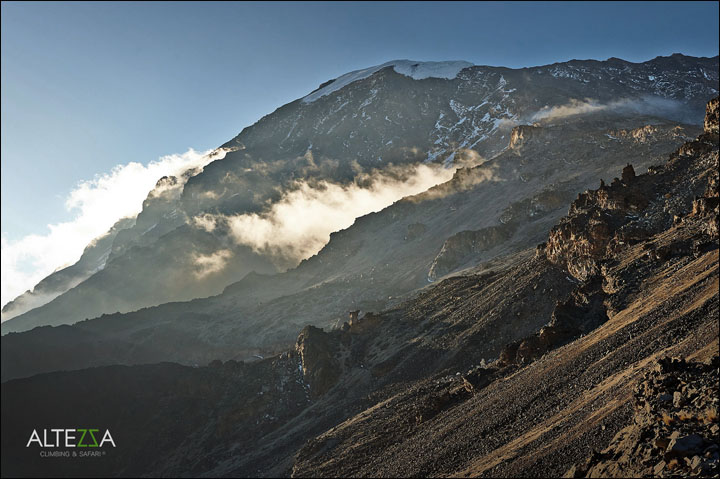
(412, 69)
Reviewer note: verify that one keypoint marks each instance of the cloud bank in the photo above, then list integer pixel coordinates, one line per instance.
(97, 205)
(299, 224)
(574, 107)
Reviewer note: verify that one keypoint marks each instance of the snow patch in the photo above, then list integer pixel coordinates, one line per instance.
(149, 229)
(102, 260)
(414, 70)
(449, 160)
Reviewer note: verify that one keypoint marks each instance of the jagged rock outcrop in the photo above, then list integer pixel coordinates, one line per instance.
(712, 114)
(583, 311)
(628, 174)
(647, 133)
(602, 221)
(579, 242)
(706, 208)
(325, 356)
(477, 378)
(581, 239)
(320, 368)
(618, 197)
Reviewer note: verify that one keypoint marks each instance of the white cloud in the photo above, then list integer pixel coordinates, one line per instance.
(299, 225)
(646, 105)
(211, 263)
(97, 204)
(574, 107)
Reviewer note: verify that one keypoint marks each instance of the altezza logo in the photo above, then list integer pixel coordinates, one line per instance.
(68, 438)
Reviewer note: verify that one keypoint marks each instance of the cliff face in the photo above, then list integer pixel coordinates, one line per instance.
(319, 365)
(707, 206)
(461, 247)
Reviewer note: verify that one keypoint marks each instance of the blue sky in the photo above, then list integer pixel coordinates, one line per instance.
(88, 86)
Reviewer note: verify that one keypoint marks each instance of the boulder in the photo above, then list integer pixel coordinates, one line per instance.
(477, 379)
(685, 446)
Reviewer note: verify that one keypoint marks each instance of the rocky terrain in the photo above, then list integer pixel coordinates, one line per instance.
(674, 430)
(390, 116)
(547, 361)
(655, 306)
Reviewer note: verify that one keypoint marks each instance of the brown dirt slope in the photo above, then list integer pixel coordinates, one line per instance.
(647, 246)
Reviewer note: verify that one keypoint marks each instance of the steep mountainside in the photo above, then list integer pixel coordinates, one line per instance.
(522, 366)
(396, 114)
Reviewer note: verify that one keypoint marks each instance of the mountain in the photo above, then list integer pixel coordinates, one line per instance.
(593, 352)
(353, 130)
(501, 206)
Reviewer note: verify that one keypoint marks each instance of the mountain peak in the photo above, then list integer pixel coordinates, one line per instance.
(413, 69)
